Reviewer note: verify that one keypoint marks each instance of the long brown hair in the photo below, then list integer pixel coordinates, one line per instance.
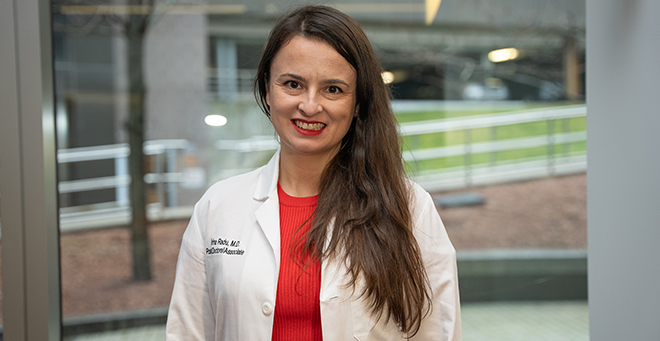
(364, 195)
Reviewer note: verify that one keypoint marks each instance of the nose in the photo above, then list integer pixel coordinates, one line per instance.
(310, 104)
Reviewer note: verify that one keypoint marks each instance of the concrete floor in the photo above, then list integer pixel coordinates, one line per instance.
(497, 321)
(526, 321)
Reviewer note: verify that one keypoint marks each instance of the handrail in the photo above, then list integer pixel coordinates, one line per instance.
(447, 178)
(491, 120)
(493, 146)
(121, 180)
(113, 151)
(493, 172)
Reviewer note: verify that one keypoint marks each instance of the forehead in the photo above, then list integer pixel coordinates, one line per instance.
(301, 54)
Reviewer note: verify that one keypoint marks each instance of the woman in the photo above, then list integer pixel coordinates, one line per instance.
(328, 241)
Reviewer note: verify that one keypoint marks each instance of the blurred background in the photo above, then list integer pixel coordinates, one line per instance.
(491, 103)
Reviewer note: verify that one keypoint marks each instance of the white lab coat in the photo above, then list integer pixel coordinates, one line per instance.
(226, 276)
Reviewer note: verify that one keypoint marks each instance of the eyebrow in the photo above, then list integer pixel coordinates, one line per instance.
(325, 81)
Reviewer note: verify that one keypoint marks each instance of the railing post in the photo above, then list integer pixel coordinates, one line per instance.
(493, 153)
(414, 145)
(171, 189)
(551, 146)
(160, 186)
(121, 170)
(467, 158)
(566, 127)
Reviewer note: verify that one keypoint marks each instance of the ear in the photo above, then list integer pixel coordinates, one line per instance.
(357, 109)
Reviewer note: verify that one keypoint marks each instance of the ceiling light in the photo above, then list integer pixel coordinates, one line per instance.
(503, 55)
(388, 77)
(215, 120)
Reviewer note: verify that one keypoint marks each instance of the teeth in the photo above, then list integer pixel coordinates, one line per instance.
(309, 126)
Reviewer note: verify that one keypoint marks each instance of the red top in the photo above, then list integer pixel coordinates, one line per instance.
(297, 310)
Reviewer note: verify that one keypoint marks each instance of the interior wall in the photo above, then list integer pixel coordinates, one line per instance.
(624, 168)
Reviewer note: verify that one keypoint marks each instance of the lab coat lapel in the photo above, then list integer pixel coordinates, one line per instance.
(336, 316)
(330, 272)
(335, 300)
(268, 215)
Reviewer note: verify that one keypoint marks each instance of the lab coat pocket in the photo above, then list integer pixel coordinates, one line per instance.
(367, 328)
(362, 323)
(336, 319)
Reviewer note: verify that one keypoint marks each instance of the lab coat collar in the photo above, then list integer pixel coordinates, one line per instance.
(267, 181)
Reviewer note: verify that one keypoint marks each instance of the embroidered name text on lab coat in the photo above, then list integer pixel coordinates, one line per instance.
(225, 246)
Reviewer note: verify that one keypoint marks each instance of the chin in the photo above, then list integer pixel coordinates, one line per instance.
(311, 150)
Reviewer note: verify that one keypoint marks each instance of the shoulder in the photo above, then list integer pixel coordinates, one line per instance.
(427, 224)
(234, 189)
(416, 191)
(240, 182)
(420, 201)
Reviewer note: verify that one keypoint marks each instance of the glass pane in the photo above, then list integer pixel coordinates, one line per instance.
(489, 95)
(115, 273)
(496, 131)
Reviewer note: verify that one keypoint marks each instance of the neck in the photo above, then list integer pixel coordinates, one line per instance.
(300, 175)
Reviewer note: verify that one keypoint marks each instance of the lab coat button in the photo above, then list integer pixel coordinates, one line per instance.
(267, 309)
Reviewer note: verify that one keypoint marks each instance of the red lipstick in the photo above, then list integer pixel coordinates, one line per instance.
(307, 132)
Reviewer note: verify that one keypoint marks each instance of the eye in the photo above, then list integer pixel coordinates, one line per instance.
(333, 89)
(292, 84)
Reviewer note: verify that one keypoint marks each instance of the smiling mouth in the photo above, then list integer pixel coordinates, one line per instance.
(309, 126)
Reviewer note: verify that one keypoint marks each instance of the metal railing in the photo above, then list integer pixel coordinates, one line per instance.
(164, 174)
(231, 84)
(497, 171)
(469, 174)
